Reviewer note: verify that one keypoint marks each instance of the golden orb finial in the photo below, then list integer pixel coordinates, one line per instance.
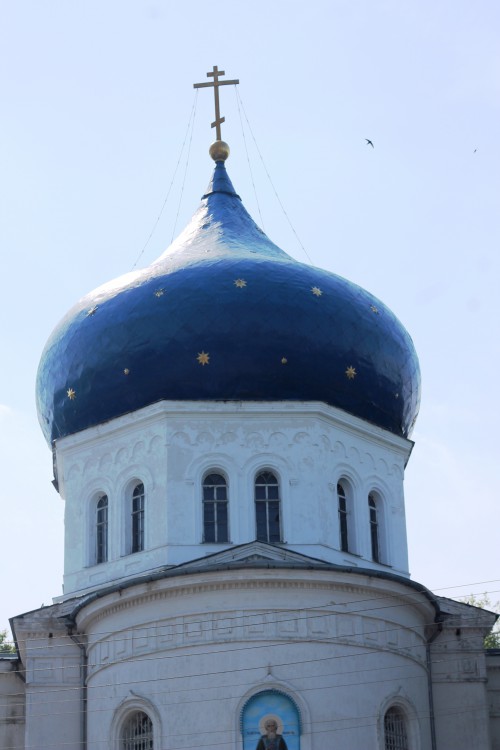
(219, 151)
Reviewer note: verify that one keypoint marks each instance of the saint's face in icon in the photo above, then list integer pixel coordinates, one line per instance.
(271, 740)
(271, 727)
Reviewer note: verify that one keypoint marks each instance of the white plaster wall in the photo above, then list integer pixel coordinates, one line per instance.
(192, 649)
(460, 680)
(493, 690)
(171, 445)
(12, 704)
(53, 681)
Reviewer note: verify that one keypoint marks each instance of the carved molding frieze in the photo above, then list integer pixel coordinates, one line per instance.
(319, 447)
(333, 624)
(91, 464)
(202, 630)
(313, 449)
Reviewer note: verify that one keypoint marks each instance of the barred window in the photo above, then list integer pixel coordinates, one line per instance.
(138, 518)
(395, 734)
(101, 538)
(267, 507)
(137, 733)
(374, 530)
(215, 507)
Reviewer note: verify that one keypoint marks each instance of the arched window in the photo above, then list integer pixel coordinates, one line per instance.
(374, 528)
(137, 732)
(215, 502)
(137, 519)
(395, 734)
(101, 528)
(267, 507)
(343, 525)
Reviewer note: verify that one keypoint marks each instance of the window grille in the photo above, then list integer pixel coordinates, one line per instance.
(374, 532)
(395, 734)
(101, 551)
(215, 506)
(138, 518)
(267, 507)
(137, 733)
(342, 500)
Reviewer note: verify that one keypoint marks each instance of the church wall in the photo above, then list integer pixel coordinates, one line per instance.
(493, 695)
(52, 667)
(459, 678)
(192, 649)
(171, 446)
(12, 704)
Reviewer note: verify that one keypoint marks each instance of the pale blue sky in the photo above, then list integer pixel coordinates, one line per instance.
(96, 97)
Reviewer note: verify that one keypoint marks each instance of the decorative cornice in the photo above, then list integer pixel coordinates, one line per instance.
(100, 609)
(215, 410)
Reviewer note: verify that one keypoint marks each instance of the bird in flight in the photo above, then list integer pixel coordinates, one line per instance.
(369, 143)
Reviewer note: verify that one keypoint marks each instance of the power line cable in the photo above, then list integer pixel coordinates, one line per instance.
(191, 119)
(409, 599)
(330, 639)
(327, 726)
(185, 173)
(248, 160)
(271, 182)
(263, 667)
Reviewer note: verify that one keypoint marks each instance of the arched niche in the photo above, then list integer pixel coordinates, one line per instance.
(270, 704)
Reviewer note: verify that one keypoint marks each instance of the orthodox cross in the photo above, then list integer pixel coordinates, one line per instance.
(216, 83)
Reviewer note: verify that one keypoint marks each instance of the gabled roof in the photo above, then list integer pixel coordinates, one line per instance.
(254, 554)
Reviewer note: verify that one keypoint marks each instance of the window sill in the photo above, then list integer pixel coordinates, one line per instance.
(218, 544)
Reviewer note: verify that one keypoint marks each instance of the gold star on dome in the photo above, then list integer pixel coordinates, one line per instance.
(159, 292)
(316, 291)
(71, 394)
(126, 371)
(203, 358)
(351, 372)
(284, 360)
(92, 311)
(240, 283)
(374, 309)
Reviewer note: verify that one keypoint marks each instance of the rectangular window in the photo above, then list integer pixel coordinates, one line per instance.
(344, 540)
(215, 509)
(374, 529)
(138, 522)
(102, 531)
(267, 508)
(261, 517)
(268, 520)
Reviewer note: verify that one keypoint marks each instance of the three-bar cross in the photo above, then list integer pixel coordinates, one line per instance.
(216, 83)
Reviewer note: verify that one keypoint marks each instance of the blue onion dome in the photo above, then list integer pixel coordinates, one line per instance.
(223, 315)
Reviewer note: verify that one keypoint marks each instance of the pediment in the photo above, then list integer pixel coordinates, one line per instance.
(253, 554)
(461, 613)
